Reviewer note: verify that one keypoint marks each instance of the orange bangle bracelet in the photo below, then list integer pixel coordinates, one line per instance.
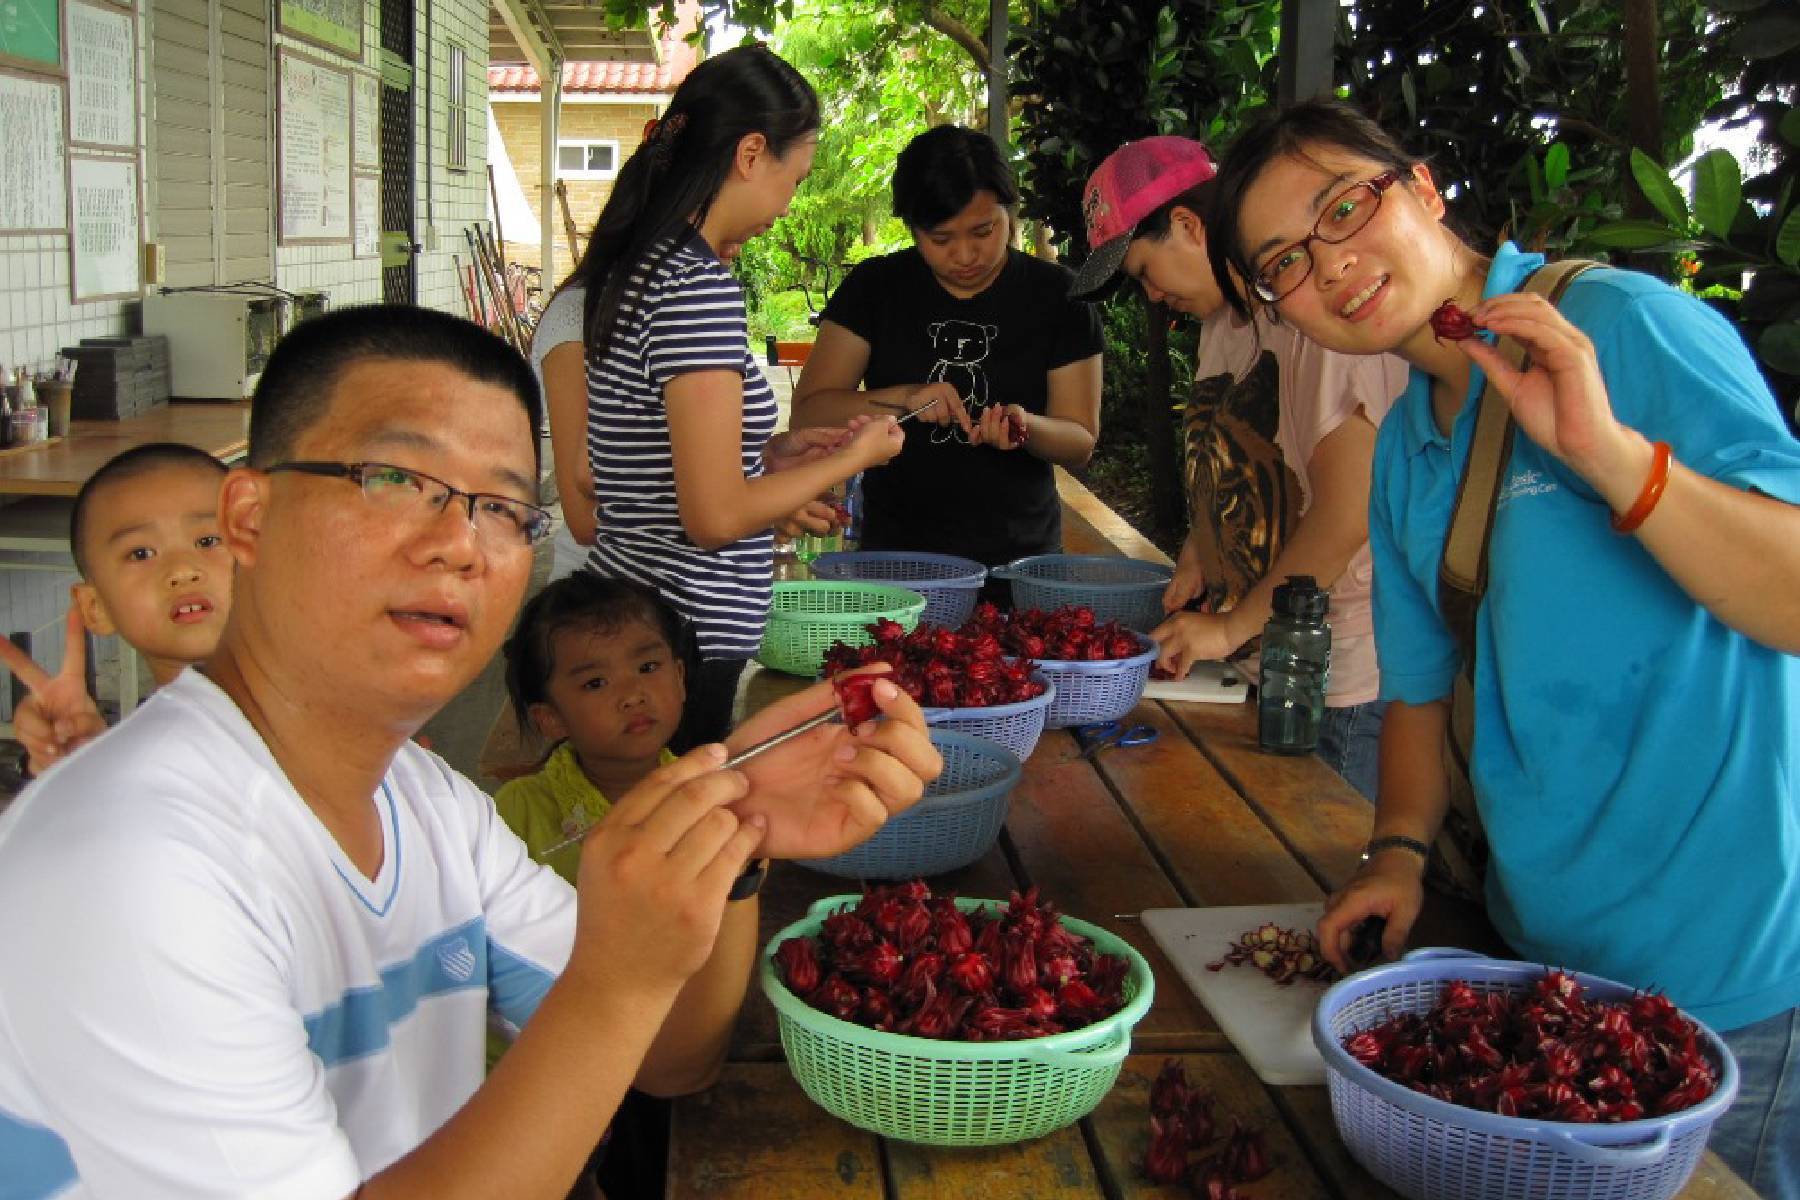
(1653, 490)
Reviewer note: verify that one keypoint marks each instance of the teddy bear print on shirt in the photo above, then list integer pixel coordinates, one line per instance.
(961, 346)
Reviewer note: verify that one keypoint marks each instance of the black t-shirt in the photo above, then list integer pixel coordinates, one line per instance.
(940, 494)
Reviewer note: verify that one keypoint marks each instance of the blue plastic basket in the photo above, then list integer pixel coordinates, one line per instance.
(1127, 590)
(948, 583)
(956, 823)
(1433, 1150)
(1106, 690)
(1015, 726)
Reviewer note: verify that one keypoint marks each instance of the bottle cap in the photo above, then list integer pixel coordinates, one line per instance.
(1301, 596)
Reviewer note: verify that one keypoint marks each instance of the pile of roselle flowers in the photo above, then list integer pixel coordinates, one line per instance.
(906, 961)
(970, 667)
(1284, 955)
(1544, 1052)
(1181, 1122)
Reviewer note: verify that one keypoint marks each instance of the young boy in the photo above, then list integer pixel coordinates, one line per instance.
(145, 536)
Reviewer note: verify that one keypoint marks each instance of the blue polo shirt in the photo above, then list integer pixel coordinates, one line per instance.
(1636, 762)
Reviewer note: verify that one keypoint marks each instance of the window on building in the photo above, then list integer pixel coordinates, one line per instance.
(587, 160)
(458, 114)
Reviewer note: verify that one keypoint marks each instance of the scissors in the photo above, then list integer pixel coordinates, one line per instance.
(1097, 737)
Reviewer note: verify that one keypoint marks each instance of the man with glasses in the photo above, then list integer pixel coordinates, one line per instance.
(252, 935)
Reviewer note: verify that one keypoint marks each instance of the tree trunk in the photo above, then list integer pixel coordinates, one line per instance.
(1643, 103)
(1159, 426)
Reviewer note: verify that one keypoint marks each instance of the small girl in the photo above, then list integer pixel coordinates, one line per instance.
(598, 666)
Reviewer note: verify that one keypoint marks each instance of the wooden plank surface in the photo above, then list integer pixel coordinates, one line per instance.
(755, 1133)
(1083, 853)
(221, 430)
(1217, 850)
(1121, 1128)
(1050, 1168)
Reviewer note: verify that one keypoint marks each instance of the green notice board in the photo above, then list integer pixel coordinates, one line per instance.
(334, 24)
(31, 32)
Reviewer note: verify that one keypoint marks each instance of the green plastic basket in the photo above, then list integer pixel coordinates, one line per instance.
(806, 616)
(954, 1093)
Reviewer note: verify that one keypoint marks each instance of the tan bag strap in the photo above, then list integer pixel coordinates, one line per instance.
(1463, 575)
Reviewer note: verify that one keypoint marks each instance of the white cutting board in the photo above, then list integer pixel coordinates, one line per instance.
(1270, 1025)
(1206, 683)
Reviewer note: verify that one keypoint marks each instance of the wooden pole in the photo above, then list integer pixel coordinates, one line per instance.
(494, 195)
(569, 230)
(1643, 104)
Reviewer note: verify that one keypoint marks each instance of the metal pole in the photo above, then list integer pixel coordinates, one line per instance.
(1308, 28)
(550, 116)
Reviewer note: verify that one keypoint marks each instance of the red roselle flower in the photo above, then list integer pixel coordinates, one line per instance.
(877, 1010)
(878, 964)
(1169, 1093)
(913, 928)
(1450, 322)
(836, 996)
(846, 931)
(973, 973)
(1020, 971)
(1244, 1158)
(1017, 431)
(798, 961)
(953, 933)
(855, 697)
(1166, 1161)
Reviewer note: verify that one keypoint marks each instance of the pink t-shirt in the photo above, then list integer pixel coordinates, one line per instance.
(1264, 398)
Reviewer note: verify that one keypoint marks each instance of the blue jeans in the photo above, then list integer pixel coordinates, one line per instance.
(1350, 743)
(1759, 1136)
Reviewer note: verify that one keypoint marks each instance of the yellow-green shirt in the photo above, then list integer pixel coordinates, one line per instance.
(554, 805)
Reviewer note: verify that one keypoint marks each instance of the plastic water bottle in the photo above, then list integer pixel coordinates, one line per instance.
(1296, 662)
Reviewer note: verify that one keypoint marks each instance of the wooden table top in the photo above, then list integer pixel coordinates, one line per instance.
(60, 468)
(1198, 817)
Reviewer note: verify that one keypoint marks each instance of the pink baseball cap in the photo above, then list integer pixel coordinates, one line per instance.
(1135, 180)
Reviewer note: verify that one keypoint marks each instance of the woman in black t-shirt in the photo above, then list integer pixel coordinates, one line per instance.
(989, 333)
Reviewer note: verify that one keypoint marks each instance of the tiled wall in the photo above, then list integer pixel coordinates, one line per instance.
(445, 201)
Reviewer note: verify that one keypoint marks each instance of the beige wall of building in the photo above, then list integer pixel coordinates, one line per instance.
(518, 124)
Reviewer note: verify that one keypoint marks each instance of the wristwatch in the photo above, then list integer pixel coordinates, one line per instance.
(751, 881)
(1395, 841)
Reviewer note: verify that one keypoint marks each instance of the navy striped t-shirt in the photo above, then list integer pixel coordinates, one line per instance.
(681, 311)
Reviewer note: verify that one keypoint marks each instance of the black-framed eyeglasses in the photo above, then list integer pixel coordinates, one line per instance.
(497, 520)
(1344, 217)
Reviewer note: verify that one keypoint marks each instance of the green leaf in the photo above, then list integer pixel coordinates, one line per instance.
(1556, 165)
(1768, 35)
(1779, 346)
(1787, 241)
(1635, 235)
(1658, 188)
(1718, 186)
(1790, 126)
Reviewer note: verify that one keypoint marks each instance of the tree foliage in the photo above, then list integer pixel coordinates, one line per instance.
(1484, 88)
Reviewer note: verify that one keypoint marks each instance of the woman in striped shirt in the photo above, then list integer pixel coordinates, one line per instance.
(679, 413)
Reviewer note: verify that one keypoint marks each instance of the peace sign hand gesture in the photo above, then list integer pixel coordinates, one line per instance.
(58, 716)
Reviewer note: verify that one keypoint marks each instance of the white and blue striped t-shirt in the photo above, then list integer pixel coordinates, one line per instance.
(204, 998)
(681, 311)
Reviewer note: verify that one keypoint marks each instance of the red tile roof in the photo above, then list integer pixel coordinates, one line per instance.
(590, 78)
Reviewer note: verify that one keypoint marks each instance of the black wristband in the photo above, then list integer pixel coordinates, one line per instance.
(751, 881)
(1395, 841)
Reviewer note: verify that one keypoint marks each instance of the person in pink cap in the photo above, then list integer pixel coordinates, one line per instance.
(1278, 433)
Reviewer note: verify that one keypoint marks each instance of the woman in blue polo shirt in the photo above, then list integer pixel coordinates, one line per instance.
(1637, 704)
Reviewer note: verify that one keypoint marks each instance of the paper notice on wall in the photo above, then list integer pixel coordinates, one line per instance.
(315, 151)
(368, 216)
(103, 237)
(102, 77)
(32, 187)
(368, 121)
